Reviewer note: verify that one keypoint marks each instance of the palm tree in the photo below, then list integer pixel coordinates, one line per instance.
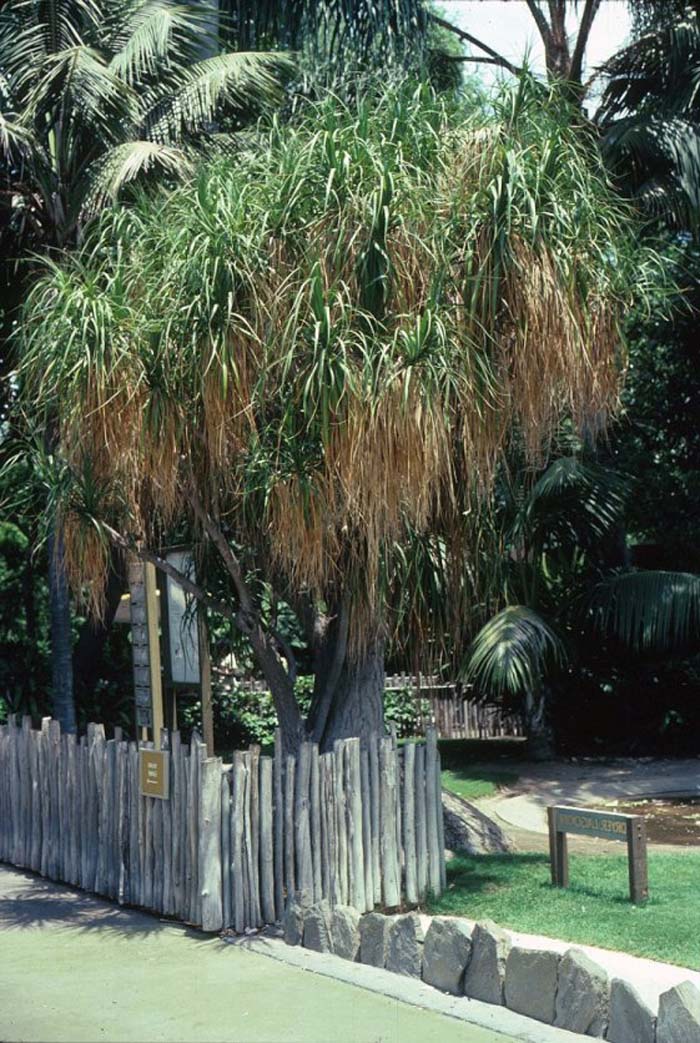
(315, 358)
(650, 113)
(94, 96)
(565, 585)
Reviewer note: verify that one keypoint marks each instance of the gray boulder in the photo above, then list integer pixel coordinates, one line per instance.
(631, 1021)
(405, 949)
(317, 927)
(679, 1015)
(374, 938)
(531, 982)
(293, 917)
(345, 932)
(467, 828)
(583, 995)
(446, 950)
(486, 971)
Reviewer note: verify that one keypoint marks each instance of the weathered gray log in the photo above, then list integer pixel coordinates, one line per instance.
(267, 876)
(54, 830)
(279, 825)
(440, 820)
(178, 825)
(356, 864)
(134, 889)
(375, 826)
(35, 851)
(248, 869)
(366, 830)
(432, 796)
(420, 815)
(289, 871)
(194, 767)
(339, 748)
(122, 816)
(302, 833)
(256, 912)
(210, 845)
(225, 826)
(95, 735)
(237, 824)
(315, 822)
(329, 850)
(387, 810)
(409, 824)
(45, 802)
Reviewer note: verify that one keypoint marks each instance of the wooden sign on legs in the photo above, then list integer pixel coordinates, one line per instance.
(629, 829)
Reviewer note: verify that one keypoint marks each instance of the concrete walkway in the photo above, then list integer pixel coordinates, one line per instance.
(585, 782)
(75, 968)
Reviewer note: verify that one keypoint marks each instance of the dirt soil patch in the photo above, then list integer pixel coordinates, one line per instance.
(670, 820)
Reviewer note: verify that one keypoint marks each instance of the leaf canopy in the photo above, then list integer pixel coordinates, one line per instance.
(332, 342)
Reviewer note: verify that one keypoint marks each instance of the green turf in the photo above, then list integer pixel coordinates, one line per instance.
(515, 891)
(475, 781)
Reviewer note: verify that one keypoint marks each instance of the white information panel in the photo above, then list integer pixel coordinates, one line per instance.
(183, 639)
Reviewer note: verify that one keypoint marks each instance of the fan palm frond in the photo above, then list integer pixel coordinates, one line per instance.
(512, 652)
(653, 610)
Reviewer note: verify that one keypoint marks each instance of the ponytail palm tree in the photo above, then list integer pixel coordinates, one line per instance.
(313, 361)
(95, 96)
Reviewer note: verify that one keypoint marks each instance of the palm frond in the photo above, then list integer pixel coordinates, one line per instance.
(572, 504)
(649, 611)
(512, 652)
(80, 80)
(193, 97)
(127, 162)
(156, 31)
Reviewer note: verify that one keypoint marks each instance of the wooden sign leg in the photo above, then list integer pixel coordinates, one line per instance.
(637, 860)
(552, 848)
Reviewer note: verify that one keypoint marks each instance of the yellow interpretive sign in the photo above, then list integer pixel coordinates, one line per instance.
(155, 774)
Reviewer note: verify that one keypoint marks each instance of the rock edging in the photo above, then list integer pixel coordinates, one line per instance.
(569, 991)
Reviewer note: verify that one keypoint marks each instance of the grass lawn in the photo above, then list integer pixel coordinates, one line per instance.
(476, 781)
(463, 773)
(514, 890)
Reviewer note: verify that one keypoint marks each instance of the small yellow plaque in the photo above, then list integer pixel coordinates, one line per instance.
(155, 773)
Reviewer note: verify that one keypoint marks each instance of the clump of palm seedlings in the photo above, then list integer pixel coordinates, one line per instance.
(318, 353)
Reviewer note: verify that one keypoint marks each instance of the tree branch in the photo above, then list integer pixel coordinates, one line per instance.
(497, 59)
(541, 22)
(197, 592)
(587, 18)
(233, 565)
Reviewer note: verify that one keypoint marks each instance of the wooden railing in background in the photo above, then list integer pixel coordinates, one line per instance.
(447, 706)
(360, 826)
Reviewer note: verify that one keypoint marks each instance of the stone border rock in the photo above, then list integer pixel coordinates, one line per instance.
(568, 991)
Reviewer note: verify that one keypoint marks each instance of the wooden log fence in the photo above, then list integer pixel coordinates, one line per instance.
(359, 826)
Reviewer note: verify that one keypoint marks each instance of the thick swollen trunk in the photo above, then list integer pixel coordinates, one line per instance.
(357, 708)
(61, 645)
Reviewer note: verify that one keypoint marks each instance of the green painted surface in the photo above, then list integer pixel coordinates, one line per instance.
(79, 970)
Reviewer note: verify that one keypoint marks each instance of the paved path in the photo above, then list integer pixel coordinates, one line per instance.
(75, 968)
(522, 807)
